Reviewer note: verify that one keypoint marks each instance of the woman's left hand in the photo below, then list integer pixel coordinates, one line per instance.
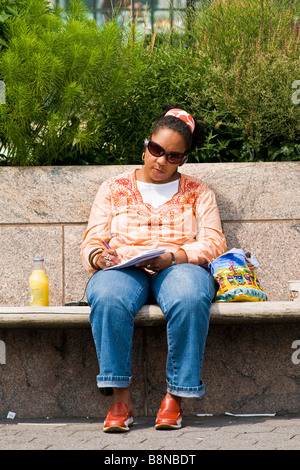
(163, 261)
(157, 264)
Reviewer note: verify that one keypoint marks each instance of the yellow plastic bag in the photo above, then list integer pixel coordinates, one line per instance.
(234, 272)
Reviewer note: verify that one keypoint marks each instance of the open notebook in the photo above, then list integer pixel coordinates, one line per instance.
(145, 256)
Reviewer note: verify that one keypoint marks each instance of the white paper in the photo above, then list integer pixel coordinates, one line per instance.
(42, 424)
(145, 256)
(250, 415)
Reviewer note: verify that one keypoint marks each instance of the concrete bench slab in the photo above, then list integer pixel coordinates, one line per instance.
(149, 315)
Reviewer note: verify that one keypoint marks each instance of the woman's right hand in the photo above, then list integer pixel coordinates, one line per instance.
(106, 259)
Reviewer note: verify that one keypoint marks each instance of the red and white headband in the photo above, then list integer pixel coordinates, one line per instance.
(184, 116)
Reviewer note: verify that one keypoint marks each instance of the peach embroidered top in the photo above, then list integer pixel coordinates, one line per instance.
(189, 220)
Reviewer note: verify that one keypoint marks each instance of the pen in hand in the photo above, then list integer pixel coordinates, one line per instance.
(106, 244)
(109, 248)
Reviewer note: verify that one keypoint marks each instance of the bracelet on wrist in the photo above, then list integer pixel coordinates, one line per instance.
(93, 255)
(173, 259)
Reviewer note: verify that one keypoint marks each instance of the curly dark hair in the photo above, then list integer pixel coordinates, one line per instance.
(192, 140)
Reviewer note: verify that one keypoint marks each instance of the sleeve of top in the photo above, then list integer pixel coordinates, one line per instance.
(98, 228)
(210, 240)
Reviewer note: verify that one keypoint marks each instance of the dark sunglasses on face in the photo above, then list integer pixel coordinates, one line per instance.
(157, 151)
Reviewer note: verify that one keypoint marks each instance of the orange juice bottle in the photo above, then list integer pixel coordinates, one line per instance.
(39, 284)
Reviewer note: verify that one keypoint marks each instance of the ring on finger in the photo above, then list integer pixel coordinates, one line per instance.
(148, 266)
(107, 257)
(107, 263)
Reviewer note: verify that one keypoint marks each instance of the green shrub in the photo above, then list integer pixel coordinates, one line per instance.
(77, 93)
(254, 50)
(8, 9)
(48, 70)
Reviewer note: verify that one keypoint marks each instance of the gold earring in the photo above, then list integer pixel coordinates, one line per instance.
(143, 156)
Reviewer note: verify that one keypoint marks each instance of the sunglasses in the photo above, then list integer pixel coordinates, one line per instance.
(157, 151)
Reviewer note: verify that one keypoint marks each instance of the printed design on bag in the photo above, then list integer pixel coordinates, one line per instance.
(234, 273)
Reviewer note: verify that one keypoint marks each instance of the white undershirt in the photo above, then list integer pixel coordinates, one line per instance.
(157, 194)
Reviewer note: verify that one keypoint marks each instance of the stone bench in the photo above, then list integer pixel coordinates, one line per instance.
(150, 315)
(50, 361)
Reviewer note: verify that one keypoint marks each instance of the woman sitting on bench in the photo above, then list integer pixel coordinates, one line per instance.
(153, 207)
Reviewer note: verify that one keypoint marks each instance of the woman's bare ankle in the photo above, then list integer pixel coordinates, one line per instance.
(175, 397)
(123, 394)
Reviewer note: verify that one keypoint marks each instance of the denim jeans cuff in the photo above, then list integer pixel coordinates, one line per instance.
(113, 381)
(188, 392)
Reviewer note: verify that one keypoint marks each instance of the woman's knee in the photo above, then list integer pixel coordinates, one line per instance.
(96, 289)
(187, 291)
(117, 290)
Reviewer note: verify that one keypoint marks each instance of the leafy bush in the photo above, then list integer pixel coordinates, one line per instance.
(48, 69)
(254, 50)
(8, 9)
(77, 93)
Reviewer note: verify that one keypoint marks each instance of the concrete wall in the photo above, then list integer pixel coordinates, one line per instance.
(52, 373)
(44, 212)
(247, 369)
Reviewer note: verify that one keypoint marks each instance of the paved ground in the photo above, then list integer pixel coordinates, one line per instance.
(197, 433)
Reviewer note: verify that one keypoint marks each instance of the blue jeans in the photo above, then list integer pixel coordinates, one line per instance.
(184, 292)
